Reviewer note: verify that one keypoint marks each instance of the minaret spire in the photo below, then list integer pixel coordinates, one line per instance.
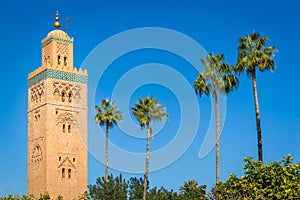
(56, 23)
(57, 120)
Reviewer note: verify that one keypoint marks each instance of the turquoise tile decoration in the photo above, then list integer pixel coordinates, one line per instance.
(56, 39)
(59, 75)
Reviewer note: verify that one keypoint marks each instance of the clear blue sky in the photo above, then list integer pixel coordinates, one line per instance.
(216, 25)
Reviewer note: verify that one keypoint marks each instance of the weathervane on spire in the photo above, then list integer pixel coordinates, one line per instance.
(56, 23)
(67, 21)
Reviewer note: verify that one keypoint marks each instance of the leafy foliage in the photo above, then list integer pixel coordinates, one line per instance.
(84, 196)
(191, 190)
(11, 197)
(161, 194)
(113, 189)
(136, 187)
(276, 180)
(134, 190)
(44, 196)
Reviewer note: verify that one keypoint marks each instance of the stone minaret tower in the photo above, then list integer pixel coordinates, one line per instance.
(57, 121)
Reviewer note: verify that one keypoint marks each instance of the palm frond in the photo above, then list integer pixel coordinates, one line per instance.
(108, 113)
(218, 74)
(148, 109)
(252, 54)
(201, 86)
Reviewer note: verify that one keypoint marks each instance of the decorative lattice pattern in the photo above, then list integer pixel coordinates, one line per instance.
(56, 39)
(46, 53)
(36, 116)
(59, 75)
(37, 92)
(70, 90)
(66, 118)
(62, 48)
(36, 156)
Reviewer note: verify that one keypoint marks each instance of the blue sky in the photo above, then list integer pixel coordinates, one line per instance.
(216, 25)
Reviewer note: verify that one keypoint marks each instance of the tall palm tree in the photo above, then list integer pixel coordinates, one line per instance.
(216, 78)
(145, 111)
(252, 55)
(108, 115)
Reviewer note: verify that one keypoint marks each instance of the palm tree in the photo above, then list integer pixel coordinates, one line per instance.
(191, 190)
(216, 78)
(108, 115)
(145, 111)
(253, 54)
(188, 186)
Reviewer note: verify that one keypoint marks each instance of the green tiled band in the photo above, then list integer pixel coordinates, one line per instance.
(54, 74)
(57, 39)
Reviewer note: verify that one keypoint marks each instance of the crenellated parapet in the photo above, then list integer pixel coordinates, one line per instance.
(61, 74)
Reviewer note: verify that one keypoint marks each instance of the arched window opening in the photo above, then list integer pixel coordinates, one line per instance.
(69, 173)
(63, 172)
(58, 60)
(65, 61)
(70, 97)
(69, 128)
(35, 98)
(64, 128)
(63, 96)
(59, 158)
(73, 159)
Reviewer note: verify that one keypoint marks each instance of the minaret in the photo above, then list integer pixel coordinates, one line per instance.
(57, 121)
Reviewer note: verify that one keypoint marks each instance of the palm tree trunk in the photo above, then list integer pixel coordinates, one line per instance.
(259, 136)
(106, 152)
(217, 133)
(147, 161)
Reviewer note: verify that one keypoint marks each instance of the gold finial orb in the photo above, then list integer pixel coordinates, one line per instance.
(56, 23)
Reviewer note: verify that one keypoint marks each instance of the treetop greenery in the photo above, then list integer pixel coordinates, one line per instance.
(275, 180)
